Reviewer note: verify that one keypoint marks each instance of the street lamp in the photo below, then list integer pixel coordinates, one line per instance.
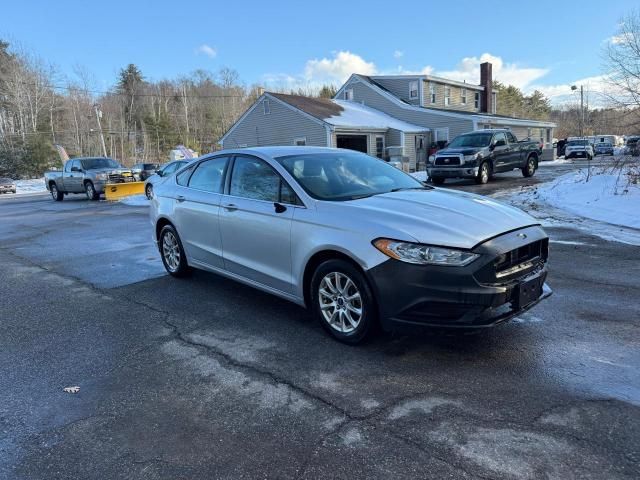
(96, 107)
(573, 88)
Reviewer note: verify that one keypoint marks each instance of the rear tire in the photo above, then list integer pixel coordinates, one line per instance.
(172, 253)
(56, 194)
(530, 168)
(437, 180)
(90, 191)
(343, 302)
(484, 172)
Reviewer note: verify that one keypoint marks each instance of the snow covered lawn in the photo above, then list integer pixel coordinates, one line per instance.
(135, 201)
(35, 185)
(610, 194)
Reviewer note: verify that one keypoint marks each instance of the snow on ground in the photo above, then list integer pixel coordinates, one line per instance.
(135, 201)
(35, 185)
(553, 163)
(610, 194)
(422, 176)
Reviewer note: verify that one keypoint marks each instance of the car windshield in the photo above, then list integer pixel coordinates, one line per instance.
(95, 163)
(475, 140)
(604, 145)
(573, 143)
(4, 181)
(339, 176)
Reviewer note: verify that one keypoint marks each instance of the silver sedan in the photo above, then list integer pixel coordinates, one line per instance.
(351, 237)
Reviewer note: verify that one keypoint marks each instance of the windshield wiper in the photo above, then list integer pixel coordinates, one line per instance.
(424, 187)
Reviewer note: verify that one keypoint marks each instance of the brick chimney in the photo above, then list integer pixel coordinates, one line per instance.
(486, 80)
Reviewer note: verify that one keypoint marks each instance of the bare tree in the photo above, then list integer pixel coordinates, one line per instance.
(622, 57)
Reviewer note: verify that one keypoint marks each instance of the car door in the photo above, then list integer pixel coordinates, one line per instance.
(73, 178)
(501, 152)
(255, 223)
(196, 210)
(515, 151)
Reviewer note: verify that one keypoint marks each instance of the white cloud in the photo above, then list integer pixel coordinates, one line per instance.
(398, 54)
(207, 50)
(596, 90)
(338, 68)
(621, 39)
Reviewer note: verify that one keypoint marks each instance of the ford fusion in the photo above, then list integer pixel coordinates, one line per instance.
(351, 237)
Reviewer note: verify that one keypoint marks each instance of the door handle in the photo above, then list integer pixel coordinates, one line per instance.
(230, 207)
(180, 198)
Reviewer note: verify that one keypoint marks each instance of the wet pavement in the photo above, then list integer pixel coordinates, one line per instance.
(206, 378)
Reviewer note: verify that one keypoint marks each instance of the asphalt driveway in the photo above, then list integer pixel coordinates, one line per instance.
(206, 378)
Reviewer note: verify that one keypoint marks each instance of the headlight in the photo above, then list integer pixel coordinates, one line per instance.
(432, 158)
(101, 176)
(468, 158)
(424, 254)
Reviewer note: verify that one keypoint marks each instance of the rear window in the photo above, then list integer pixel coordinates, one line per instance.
(577, 142)
(150, 166)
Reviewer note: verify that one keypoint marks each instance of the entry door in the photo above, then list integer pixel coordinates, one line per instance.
(256, 235)
(197, 208)
(421, 150)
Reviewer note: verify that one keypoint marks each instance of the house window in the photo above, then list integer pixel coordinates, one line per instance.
(432, 92)
(476, 102)
(300, 141)
(413, 89)
(463, 96)
(380, 146)
(447, 95)
(266, 108)
(348, 94)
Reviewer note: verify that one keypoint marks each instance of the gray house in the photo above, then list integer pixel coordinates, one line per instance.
(373, 113)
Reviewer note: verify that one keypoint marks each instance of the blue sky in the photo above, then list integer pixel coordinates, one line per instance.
(546, 44)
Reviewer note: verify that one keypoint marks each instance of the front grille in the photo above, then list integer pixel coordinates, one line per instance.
(521, 259)
(445, 161)
(119, 178)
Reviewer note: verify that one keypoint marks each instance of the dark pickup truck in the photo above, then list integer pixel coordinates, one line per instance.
(482, 153)
(86, 175)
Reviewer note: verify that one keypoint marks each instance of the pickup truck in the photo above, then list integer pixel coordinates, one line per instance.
(85, 175)
(482, 153)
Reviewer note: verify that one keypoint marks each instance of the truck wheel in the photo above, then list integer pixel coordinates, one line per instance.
(56, 194)
(437, 180)
(484, 172)
(530, 168)
(90, 190)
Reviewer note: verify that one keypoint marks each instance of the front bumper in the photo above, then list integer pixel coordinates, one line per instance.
(460, 297)
(453, 172)
(8, 189)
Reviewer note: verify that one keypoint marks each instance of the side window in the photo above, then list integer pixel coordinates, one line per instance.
(183, 177)
(498, 137)
(511, 137)
(169, 169)
(208, 175)
(287, 195)
(68, 165)
(253, 178)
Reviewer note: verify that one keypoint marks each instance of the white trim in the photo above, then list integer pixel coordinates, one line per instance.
(266, 107)
(402, 142)
(384, 144)
(298, 139)
(348, 93)
(328, 130)
(417, 84)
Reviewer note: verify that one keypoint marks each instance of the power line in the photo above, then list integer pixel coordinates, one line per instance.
(114, 93)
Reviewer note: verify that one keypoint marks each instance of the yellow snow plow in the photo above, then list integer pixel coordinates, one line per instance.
(116, 191)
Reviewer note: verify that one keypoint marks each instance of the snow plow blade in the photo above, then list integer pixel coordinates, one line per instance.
(116, 191)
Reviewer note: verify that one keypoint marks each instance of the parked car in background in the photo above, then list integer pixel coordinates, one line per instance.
(164, 171)
(482, 153)
(560, 146)
(604, 148)
(632, 147)
(7, 185)
(351, 237)
(142, 171)
(578, 148)
(85, 175)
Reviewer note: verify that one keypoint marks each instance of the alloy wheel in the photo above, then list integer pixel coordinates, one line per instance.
(54, 192)
(171, 251)
(484, 173)
(340, 302)
(532, 167)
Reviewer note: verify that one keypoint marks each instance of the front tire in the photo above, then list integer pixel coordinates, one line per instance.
(484, 172)
(148, 191)
(56, 194)
(172, 253)
(343, 301)
(90, 191)
(530, 168)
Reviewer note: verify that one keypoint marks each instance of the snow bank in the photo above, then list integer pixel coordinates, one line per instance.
(135, 201)
(35, 185)
(422, 176)
(610, 195)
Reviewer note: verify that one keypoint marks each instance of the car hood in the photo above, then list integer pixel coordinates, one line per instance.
(438, 216)
(109, 170)
(459, 151)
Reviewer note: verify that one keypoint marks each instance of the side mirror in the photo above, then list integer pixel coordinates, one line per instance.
(500, 143)
(159, 173)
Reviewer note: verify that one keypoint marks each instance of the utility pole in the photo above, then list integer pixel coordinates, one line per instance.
(96, 107)
(573, 87)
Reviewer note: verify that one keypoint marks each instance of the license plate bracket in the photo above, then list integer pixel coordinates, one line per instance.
(528, 292)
